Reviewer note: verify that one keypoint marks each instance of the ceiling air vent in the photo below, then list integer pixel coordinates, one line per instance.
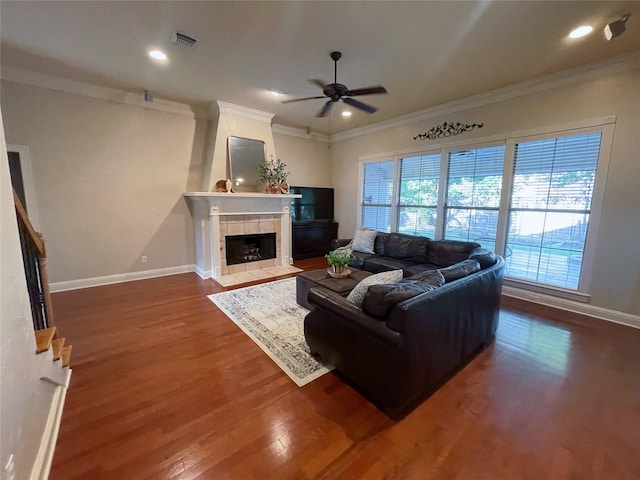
(184, 41)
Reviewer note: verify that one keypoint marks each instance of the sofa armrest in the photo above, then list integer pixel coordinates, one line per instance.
(487, 258)
(343, 311)
(339, 242)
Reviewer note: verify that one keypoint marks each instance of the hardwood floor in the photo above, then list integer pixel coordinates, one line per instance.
(164, 386)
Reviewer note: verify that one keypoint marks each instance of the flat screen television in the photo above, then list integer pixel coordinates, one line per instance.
(316, 204)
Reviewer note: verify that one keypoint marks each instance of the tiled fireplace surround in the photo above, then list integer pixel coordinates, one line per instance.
(216, 215)
(244, 225)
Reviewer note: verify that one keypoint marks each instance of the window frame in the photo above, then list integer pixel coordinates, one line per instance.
(398, 205)
(394, 186)
(444, 175)
(605, 125)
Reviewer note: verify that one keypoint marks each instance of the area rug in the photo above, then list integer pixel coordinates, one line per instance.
(270, 316)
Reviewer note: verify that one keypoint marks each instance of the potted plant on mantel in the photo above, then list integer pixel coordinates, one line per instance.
(273, 174)
(338, 259)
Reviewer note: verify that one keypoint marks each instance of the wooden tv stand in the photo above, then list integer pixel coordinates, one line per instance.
(312, 239)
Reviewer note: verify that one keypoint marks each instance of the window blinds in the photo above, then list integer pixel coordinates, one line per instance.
(552, 187)
(474, 185)
(377, 191)
(418, 197)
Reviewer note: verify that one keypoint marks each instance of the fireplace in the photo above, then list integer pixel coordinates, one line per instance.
(250, 248)
(218, 215)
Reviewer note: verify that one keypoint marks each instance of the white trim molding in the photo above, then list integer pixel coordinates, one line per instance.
(300, 133)
(26, 77)
(595, 70)
(44, 458)
(119, 278)
(599, 313)
(245, 112)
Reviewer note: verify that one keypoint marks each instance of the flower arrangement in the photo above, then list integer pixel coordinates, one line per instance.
(340, 257)
(338, 260)
(273, 173)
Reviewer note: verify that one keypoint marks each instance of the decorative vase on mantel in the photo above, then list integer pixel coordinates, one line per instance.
(273, 188)
(274, 175)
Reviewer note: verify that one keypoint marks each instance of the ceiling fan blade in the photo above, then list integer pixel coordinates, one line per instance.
(360, 105)
(325, 110)
(302, 99)
(319, 83)
(366, 91)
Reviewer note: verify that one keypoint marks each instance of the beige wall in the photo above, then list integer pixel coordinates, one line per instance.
(308, 161)
(25, 399)
(229, 123)
(109, 179)
(615, 280)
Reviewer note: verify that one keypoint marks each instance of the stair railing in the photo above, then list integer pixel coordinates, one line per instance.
(35, 266)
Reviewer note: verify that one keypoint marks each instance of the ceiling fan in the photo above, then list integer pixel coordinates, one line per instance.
(336, 91)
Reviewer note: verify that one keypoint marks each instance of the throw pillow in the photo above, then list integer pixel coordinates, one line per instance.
(364, 240)
(380, 299)
(360, 290)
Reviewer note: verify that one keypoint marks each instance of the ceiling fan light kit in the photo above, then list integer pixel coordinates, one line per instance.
(337, 91)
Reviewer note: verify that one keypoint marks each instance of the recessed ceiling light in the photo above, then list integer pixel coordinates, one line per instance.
(158, 55)
(275, 93)
(581, 31)
(346, 113)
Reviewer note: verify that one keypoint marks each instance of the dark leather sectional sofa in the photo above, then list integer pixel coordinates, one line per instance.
(410, 337)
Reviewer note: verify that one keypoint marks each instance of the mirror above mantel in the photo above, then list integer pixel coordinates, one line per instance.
(243, 157)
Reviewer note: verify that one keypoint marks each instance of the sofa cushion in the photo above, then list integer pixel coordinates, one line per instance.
(360, 259)
(417, 268)
(359, 291)
(376, 264)
(432, 278)
(460, 270)
(487, 258)
(364, 240)
(407, 247)
(380, 299)
(381, 241)
(445, 253)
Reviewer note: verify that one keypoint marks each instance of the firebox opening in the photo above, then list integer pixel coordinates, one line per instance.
(250, 248)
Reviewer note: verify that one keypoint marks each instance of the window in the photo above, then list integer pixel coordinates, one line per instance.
(377, 194)
(553, 182)
(418, 198)
(474, 185)
(526, 195)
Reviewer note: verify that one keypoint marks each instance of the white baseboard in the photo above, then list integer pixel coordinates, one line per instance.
(44, 458)
(202, 273)
(119, 278)
(600, 313)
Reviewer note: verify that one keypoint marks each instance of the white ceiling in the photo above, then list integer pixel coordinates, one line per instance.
(424, 53)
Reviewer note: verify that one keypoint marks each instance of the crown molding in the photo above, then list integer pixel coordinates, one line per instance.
(300, 133)
(219, 107)
(590, 71)
(26, 77)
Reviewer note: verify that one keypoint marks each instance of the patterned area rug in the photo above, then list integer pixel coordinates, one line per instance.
(270, 316)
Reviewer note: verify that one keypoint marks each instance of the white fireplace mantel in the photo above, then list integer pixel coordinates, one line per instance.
(206, 210)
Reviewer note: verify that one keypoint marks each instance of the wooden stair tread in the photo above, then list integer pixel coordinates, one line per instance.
(44, 338)
(66, 356)
(57, 345)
